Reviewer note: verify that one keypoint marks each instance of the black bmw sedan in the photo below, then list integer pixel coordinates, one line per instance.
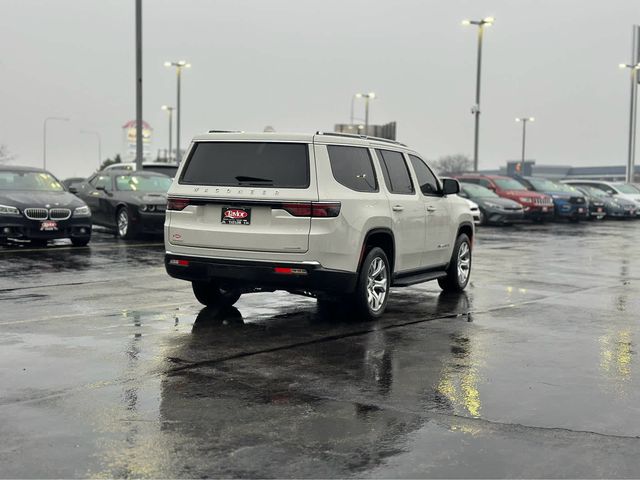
(35, 206)
(130, 203)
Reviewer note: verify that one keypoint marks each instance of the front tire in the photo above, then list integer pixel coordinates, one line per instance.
(374, 281)
(124, 229)
(211, 295)
(459, 269)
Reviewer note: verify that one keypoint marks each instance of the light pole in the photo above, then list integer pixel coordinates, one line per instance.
(488, 21)
(179, 65)
(524, 121)
(367, 97)
(629, 177)
(170, 111)
(97, 134)
(44, 138)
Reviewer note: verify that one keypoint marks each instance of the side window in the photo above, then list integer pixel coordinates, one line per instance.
(486, 183)
(395, 171)
(101, 181)
(353, 168)
(426, 179)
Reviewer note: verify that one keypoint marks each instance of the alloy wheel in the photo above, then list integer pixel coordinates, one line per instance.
(377, 284)
(464, 263)
(123, 223)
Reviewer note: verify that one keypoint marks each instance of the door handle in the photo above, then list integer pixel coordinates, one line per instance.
(397, 208)
(431, 209)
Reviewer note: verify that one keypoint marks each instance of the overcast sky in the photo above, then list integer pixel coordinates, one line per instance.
(295, 64)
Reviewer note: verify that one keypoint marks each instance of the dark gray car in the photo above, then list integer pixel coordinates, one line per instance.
(493, 209)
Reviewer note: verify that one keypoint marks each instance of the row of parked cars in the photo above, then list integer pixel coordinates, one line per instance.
(36, 207)
(503, 200)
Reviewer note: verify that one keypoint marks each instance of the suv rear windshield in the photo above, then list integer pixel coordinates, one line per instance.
(256, 164)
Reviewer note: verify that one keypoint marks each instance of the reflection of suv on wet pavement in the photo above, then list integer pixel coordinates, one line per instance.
(327, 215)
(536, 206)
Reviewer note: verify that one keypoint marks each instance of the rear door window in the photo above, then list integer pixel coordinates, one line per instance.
(353, 168)
(395, 171)
(255, 164)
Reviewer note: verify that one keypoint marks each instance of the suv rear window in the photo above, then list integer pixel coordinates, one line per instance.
(352, 167)
(255, 164)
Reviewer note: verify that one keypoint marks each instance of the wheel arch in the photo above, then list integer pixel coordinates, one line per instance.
(380, 237)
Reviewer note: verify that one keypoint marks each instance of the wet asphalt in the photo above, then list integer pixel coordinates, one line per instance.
(109, 368)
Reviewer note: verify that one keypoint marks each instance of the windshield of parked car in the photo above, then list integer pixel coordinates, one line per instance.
(626, 188)
(477, 191)
(563, 187)
(509, 184)
(20, 180)
(544, 185)
(141, 183)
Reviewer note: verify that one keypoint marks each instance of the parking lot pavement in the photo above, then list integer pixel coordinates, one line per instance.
(109, 368)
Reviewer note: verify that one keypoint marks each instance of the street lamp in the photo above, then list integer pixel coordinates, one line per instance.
(524, 121)
(44, 138)
(179, 65)
(367, 97)
(170, 111)
(485, 22)
(97, 134)
(629, 177)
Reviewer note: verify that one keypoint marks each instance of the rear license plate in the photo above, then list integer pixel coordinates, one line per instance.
(48, 226)
(236, 216)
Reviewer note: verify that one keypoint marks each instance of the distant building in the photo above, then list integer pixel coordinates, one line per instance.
(387, 130)
(565, 172)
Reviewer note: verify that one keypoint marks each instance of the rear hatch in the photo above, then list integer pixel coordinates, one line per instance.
(250, 195)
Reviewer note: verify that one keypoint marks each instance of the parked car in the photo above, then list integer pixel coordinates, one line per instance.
(335, 216)
(595, 202)
(475, 210)
(568, 202)
(35, 206)
(493, 209)
(69, 182)
(614, 206)
(536, 206)
(168, 169)
(131, 203)
(617, 189)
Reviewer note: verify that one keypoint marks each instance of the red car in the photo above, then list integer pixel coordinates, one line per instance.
(537, 206)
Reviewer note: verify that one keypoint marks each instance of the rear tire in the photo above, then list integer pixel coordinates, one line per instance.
(211, 295)
(372, 289)
(459, 269)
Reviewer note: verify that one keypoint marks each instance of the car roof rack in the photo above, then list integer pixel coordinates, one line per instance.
(362, 137)
(226, 131)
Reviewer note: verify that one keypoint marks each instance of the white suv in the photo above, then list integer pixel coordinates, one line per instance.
(326, 215)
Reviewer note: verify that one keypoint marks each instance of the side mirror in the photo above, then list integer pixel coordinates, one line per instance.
(101, 188)
(450, 186)
(73, 190)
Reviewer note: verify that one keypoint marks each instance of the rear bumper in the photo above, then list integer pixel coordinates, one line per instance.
(250, 274)
(24, 229)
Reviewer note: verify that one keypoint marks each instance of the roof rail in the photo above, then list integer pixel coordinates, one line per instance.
(362, 137)
(226, 131)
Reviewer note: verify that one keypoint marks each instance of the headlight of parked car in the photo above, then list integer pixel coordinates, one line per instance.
(83, 211)
(9, 210)
(525, 199)
(147, 208)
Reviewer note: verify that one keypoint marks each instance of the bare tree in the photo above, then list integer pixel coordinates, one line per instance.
(5, 155)
(452, 164)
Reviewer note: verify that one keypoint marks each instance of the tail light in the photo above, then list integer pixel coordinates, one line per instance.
(177, 204)
(312, 209)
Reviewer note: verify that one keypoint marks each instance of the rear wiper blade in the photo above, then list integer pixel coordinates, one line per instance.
(245, 179)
